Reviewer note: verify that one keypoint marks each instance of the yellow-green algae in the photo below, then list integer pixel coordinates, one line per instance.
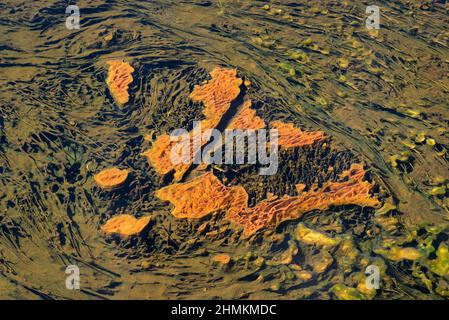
(312, 237)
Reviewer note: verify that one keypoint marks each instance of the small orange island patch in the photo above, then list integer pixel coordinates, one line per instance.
(111, 178)
(222, 258)
(119, 78)
(351, 189)
(125, 225)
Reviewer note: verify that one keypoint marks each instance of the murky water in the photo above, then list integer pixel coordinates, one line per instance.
(382, 97)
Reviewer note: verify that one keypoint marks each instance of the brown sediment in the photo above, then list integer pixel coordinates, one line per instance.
(202, 196)
(290, 137)
(246, 119)
(119, 79)
(217, 95)
(111, 178)
(125, 225)
(271, 212)
(206, 194)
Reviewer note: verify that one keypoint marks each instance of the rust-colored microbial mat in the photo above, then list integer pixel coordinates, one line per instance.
(125, 225)
(271, 212)
(202, 196)
(206, 194)
(217, 95)
(119, 79)
(111, 178)
(291, 137)
(246, 119)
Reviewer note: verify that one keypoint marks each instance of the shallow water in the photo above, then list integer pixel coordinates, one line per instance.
(59, 126)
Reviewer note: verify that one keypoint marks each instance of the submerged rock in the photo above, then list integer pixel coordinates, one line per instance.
(321, 262)
(346, 255)
(218, 93)
(206, 194)
(350, 189)
(203, 196)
